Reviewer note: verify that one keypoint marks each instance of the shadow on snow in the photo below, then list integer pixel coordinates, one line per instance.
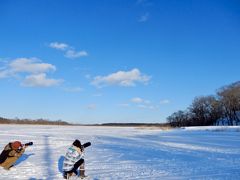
(24, 157)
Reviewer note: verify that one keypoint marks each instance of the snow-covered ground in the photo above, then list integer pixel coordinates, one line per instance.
(127, 153)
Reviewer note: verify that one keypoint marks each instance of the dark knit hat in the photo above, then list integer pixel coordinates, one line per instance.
(77, 143)
(16, 144)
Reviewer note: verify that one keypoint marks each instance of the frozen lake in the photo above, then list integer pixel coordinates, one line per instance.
(127, 153)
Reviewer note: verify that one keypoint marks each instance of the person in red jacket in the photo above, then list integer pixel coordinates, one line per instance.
(11, 153)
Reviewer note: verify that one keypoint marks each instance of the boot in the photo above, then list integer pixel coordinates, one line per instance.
(68, 175)
(82, 171)
(65, 175)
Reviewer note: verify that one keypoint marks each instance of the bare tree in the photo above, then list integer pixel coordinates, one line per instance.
(205, 110)
(178, 119)
(229, 97)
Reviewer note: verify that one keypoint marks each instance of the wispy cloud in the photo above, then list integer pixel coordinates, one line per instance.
(73, 89)
(144, 2)
(140, 1)
(4, 74)
(143, 103)
(144, 106)
(121, 78)
(144, 17)
(32, 69)
(139, 100)
(165, 101)
(88, 76)
(3, 61)
(98, 95)
(91, 106)
(59, 46)
(75, 54)
(124, 105)
(69, 51)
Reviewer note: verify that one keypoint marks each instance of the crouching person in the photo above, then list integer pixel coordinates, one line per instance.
(11, 153)
(74, 159)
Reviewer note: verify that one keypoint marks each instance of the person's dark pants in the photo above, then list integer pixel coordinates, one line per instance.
(76, 166)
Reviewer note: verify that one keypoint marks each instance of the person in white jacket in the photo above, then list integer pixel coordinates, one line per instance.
(74, 159)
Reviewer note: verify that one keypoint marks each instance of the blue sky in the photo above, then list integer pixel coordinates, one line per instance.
(114, 61)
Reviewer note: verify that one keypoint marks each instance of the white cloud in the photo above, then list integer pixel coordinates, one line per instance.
(25, 65)
(30, 65)
(165, 101)
(121, 78)
(70, 51)
(72, 54)
(144, 17)
(3, 68)
(59, 46)
(4, 74)
(33, 71)
(40, 80)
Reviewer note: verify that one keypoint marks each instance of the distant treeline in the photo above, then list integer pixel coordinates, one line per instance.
(60, 122)
(29, 121)
(133, 124)
(209, 110)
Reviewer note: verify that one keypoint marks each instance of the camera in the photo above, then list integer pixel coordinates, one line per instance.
(28, 144)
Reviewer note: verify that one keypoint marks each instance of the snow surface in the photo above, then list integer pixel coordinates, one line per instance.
(127, 153)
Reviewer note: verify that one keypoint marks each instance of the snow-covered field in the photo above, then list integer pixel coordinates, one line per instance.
(127, 153)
